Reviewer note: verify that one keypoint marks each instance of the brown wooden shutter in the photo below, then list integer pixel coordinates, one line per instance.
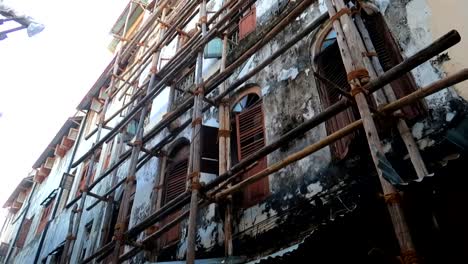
(176, 179)
(250, 138)
(44, 217)
(330, 66)
(174, 186)
(248, 23)
(389, 55)
(23, 234)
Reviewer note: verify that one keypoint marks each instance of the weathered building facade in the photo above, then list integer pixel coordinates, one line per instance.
(229, 131)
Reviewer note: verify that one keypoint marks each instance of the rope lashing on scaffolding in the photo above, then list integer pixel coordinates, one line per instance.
(138, 142)
(224, 133)
(369, 54)
(200, 90)
(410, 257)
(70, 237)
(154, 70)
(193, 175)
(340, 13)
(392, 198)
(194, 180)
(357, 79)
(130, 179)
(197, 121)
(224, 102)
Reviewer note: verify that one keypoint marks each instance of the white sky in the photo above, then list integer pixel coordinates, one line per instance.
(43, 78)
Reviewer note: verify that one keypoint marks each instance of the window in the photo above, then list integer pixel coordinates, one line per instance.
(84, 172)
(45, 216)
(23, 233)
(389, 55)
(329, 65)
(174, 185)
(209, 150)
(85, 240)
(249, 137)
(248, 22)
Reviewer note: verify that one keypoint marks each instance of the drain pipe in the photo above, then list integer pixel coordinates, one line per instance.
(60, 189)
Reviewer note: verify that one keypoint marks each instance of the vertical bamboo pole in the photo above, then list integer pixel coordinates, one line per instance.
(402, 126)
(130, 183)
(196, 144)
(225, 149)
(63, 259)
(105, 229)
(350, 47)
(102, 119)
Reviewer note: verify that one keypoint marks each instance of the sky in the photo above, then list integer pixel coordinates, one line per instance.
(43, 78)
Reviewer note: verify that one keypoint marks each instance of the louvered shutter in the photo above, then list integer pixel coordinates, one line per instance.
(23, 233)
(330, 66)
(389, 55)
(44, 217)
(175, 181)
(250, 138)
(175, 185)
(248, 23)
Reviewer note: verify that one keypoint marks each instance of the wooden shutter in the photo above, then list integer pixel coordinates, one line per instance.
(44, 217)
(23, 234)
(82, 183)
(175, 181)
(248, 23)
(250, 138)
(330, 66)
(174, 186)
(389, 55)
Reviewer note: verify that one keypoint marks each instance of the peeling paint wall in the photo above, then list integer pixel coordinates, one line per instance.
(290, 97)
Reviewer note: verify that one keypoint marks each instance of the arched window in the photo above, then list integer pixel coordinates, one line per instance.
(329, 64)
(249, 136)
(174, 184)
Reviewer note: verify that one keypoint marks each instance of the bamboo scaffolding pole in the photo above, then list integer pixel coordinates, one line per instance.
(330, 139)
(224, 142)
(185, 106)
(195, 151)
(351, 49)
(425, 54)
(314, 147)
(70, 236)
(184, 14)
(129, 116)
(410, 63)
(130, 183)
(55, 208)
(175, 66)
(108, 212)
(93, 156)
(402, 126)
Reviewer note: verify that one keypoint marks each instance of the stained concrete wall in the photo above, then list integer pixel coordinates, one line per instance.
(290, 97)
(419, 22)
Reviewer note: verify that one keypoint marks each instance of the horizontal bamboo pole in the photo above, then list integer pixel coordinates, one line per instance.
(438, 46)
(167, 77)
(389, 108)
(189, 102)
